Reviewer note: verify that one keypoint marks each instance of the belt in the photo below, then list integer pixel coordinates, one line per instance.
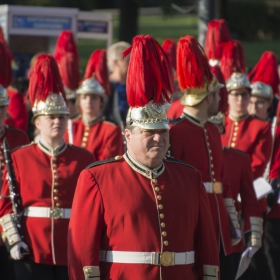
(213, 187)
(154, 258)
(47, 212)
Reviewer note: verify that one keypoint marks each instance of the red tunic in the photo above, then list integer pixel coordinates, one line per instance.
(17, 109)
(122, 212)
(275, 172)
(102, 138)
(175, 110)
(239, 175)
(198, 144)
(46, 181)
(252, 136)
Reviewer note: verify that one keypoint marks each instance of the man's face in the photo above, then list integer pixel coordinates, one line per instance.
(52, 126)
(147, 144)
(122, 65)
(259, 106)
(90, 104)
(238, 101)
(213, 108)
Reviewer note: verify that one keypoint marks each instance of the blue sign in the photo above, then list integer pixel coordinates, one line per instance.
(40, 22)
(93, 26)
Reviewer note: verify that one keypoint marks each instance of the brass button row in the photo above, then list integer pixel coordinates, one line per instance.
(160, 207)
(211, 158)
(85, 137)
(233, 140)
(56, 184)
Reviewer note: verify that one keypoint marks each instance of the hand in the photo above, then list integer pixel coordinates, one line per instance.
(16, 250)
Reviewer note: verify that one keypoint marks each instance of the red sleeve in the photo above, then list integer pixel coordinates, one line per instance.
(261, 154)
(249, 205)
(18, 111)
(114, 144)
(10, 121)
(206, 251)
(85, 227)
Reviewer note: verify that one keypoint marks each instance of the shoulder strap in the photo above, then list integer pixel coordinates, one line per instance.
(109, 160)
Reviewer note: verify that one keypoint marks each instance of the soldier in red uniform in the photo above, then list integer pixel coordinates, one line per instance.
(46, 174)
(90, 130)
(238, 172)
(150, 218)
(253, 136)
(15, 139)
(193, 139)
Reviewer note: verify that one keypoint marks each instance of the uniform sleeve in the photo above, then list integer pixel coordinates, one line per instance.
(114, 144)
(85, 227)
(249, 205)
(262, 152)
(206, 249)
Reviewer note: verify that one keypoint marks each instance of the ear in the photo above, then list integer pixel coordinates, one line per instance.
(127, 134)
(37, 122)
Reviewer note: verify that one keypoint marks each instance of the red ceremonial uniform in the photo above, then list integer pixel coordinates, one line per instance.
(198, 143)
(274, 213)
(17, 109)
(252, 136)
(102, 138)
(129, 211)
(46, 178)
(239, 175)
(175, 110)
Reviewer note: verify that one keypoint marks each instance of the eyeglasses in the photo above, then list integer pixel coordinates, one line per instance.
(243, 95)
(258, 104)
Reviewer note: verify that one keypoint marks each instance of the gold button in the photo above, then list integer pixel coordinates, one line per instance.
(87, 127)
(84, 144)
(233, 145)
(84, 139)
(235, 133)
(160, 206)
(165, 243)
(213, 173)
(118, 157)
(56, 176)
(57, 204)
(87, 270)
(55, 198)
(86, 133)
(212, 165)
(162, 224)
(2, 164)
(205, 130)
(234, 139)
(210, 151)
(161, 216)
(164, 233)
(54, 165)
(211, 158)
(55, 171)
(236, 128)
(217, 270)
(159, 197)
(154, 181)
(214, 180)
(157, 189)
(1, 220)
(54, 158)
(236, 123)
(55, 190)
(56, 184)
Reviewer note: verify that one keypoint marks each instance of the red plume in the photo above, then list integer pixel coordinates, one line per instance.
(69, 71)
(149, 76)
(193, 69)
(2, 40)
(65, 43)
(169, 46)
(266, 71)
(6, 74)
(97, 67)
(223, 104)
(232, 58)
(217, 33)
(45, 79)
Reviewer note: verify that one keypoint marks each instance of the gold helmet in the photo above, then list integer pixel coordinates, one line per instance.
(46, 92)
(260, 89)
(91, 86)
(194, 74)
(149, 83)
(238, 80)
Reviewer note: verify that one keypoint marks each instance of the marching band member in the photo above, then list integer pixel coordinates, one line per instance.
(90, 130)
(46, 174)
(150, 218)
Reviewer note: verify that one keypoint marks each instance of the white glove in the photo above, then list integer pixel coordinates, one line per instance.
(15, 251)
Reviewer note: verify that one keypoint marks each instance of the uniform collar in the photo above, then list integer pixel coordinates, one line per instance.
(194, 119)
(143, 169)
(92, 121)
(46, 148)
(238, 119)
